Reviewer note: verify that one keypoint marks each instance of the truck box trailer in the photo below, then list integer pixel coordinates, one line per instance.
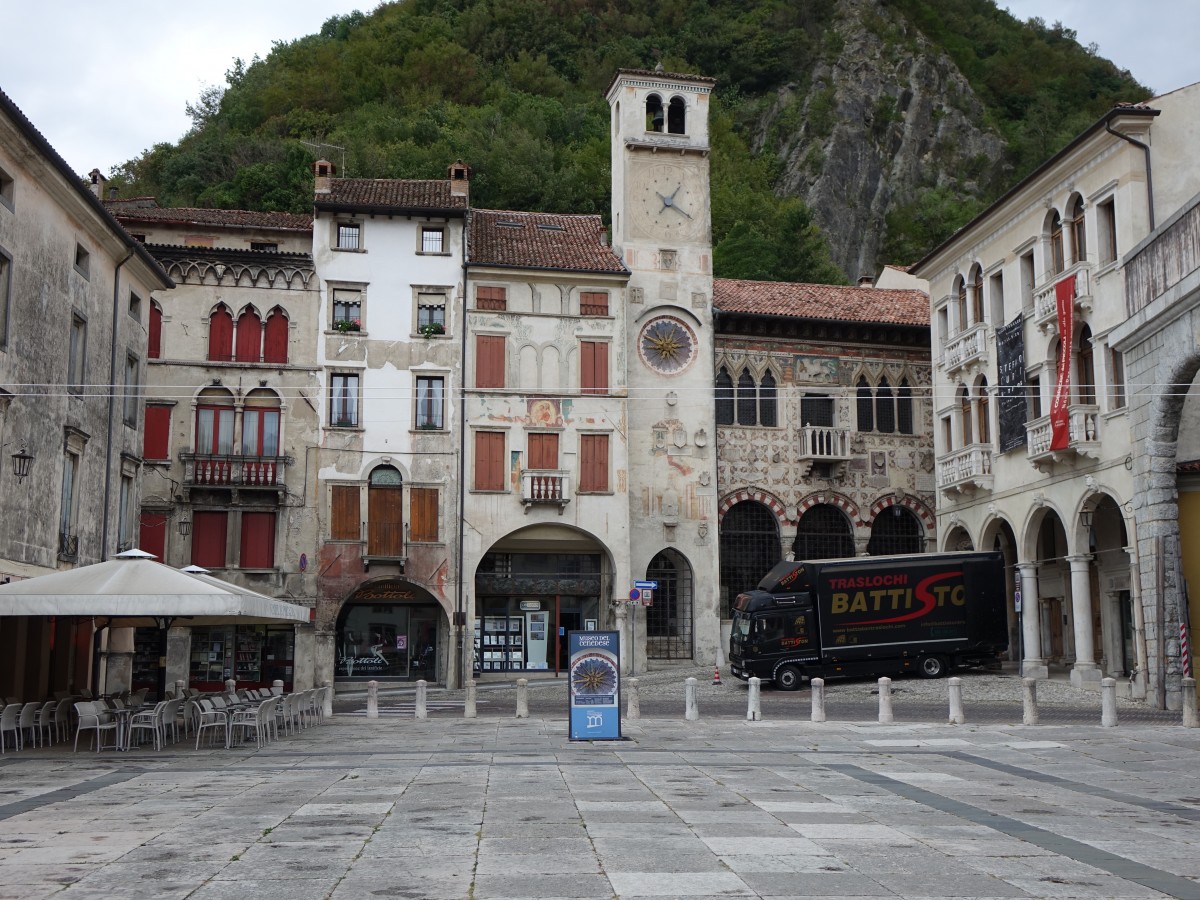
(871, 616)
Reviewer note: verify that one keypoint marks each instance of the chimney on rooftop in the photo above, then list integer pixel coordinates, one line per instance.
(866, 281)
(112, 193)
(98, 181)
(460, 180)
(323, 170)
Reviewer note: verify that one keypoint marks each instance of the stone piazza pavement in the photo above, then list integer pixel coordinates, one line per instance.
(498, 807)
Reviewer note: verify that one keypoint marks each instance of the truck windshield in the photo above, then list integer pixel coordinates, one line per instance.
(740, 630)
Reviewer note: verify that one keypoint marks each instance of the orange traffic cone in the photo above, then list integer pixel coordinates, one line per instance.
(716, 675)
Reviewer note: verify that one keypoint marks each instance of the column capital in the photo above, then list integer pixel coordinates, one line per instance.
(1028, 568)
(1080, 560)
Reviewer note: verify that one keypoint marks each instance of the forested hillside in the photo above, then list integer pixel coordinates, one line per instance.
(894, 119)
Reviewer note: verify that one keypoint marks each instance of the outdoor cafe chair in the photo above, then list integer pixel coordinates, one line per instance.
(27, 724)
(62, 718)
(149, 720)
(211, 717)
(259, 718)
(8, 722)
(171, 718)
(93, 718)
(45, 723)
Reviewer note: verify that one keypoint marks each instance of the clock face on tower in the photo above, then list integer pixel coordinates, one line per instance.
(667, 345)
(667, 200)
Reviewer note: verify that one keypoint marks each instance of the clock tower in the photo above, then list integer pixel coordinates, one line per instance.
(662, 230)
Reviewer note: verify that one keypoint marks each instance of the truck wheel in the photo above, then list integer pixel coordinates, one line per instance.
(788, 678)
(932, 667)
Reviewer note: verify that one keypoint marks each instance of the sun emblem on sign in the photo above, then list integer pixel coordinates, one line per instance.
(594, 676)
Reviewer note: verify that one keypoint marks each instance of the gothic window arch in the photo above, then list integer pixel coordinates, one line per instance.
(275, 337)
(904, 407)
(725, 398)
(824, 532)
(747, 399)
(677, 116)
(768, 415)
(655, 115)
(885, 407)
(248, 347)
(220, 334)
(865, 405)
(154, 344)
(749, 548)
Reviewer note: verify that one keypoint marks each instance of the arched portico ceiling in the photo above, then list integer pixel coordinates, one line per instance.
(958, 538)
(1039, 511)
(558, 538)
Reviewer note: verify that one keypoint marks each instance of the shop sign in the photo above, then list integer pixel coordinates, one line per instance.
(531, 605)
(594, 685)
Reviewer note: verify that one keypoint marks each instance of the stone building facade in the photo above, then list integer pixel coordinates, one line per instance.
(74, 313)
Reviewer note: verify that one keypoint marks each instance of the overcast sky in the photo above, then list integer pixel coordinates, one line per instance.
(105, 83)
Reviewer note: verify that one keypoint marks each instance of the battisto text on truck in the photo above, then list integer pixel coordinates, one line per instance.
(871, 616)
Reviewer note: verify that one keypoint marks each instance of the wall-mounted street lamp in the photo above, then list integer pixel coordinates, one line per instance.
(1085, 517)
(184, 526)
(22, 463)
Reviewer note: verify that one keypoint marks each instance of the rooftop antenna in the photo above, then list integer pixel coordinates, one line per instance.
(320, 150)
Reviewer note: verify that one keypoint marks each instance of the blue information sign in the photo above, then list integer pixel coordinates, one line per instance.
(594, 685)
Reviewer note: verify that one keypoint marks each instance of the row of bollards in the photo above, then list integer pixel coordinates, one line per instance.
(1108, 701)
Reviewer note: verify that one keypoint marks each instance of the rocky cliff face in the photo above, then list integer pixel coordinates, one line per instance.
(885, 114)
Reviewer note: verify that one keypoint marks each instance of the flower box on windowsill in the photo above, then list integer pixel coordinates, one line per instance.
(429, 426)
(432, 329)
(346, 325)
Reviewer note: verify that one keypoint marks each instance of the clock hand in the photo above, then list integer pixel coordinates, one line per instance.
(680, 210)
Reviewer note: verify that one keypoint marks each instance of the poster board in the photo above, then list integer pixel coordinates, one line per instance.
(594, 685)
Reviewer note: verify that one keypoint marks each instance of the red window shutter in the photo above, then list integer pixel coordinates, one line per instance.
(489, 461)
(275, 344)
(344, 515)
(593, 367)
(489, 361)
(157, 433)
(152, 534)
(154, 348)
(258, 540)
(423, 509)
(220, 334)
(593, 462)
(593, 303)
(543, 451)
(208, 539)
(249, 337)
(491, 298)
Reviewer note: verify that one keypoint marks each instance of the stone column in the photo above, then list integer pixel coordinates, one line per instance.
(621, 611)
(179, 652)
(1033, 664)
(324, 656)
(633, 700)
(1085, 670)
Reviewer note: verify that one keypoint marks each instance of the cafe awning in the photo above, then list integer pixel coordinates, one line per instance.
(133, 590)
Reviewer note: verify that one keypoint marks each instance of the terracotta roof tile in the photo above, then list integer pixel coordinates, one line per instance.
(128, 211)
(540, 241)
(389, 193)
(821, 301)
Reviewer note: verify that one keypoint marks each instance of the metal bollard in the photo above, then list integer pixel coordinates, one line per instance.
(522, 698)
(957, 717)
(420, 711)
(277, 687)
(633, 707)
(818, 698)
(372, 699)
(754, 701)
(1189, 703)
(1108, 702)
(690, 710)
(469, 711)
(885, 700)
(1030, 716)
(327, 702)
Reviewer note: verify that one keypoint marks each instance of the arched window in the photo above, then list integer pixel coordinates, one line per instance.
(1057, 261)
(385, 513)
(747, 399)
(260, 424)
(214, 422)
(220, 334)
(275, 339)
(977, 297)
(964, 407)
(885, 408)
(1078, 232)
(1087, 367)
(677, 116)
(823, 533)
(904, 408)
(767, 405)
(962, 304)
(724, 397)
(983, 413)
(154, 344)
(249, 336)
(749, 548)
(865, 405)
(655, 117)
(896, 530)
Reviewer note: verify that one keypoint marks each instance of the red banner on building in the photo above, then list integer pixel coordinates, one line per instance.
(1060, 413)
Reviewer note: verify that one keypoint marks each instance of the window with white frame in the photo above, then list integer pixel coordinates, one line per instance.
(430, 402)
(431, 312)
(433, 239)
(1106, 230)
(347, 309)
(343, 399)
(349, 236)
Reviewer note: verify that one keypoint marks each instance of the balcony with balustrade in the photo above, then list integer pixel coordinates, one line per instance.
(823, 444)
(1083, 437)
(966, 471)
(1045, 306)
(212, 470)
(544, 487)
(967, 351)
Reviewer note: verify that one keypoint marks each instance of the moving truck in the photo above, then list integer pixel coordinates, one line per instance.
(871, 616)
